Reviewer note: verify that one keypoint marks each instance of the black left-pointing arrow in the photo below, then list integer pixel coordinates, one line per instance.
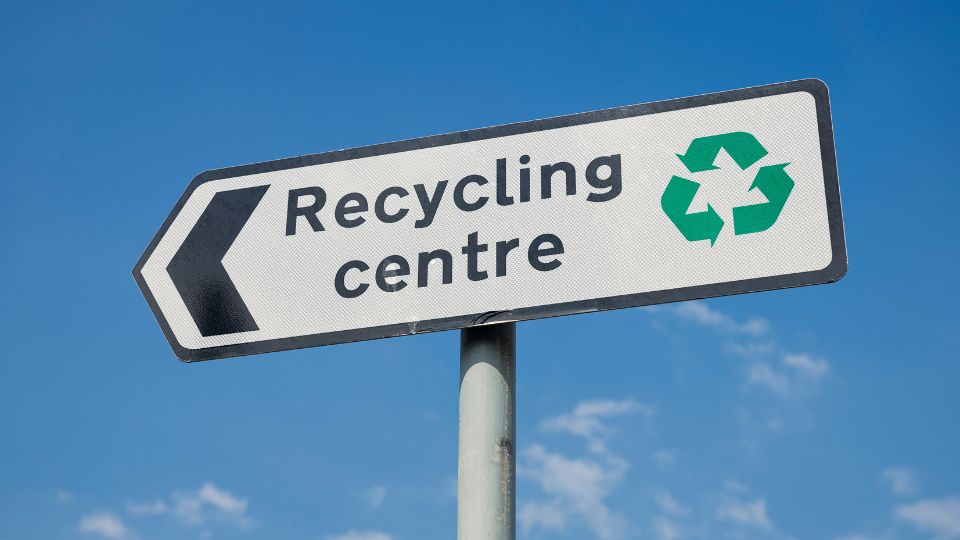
(197, 268)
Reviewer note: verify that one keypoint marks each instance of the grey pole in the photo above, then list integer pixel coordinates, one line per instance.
(486, 469)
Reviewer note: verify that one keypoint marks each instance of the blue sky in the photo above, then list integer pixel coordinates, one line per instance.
(818, 413)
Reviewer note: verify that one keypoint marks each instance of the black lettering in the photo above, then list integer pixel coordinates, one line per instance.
(339, 282)
(524, 179)
(546, 177)
(423, 266)
(427, 204)
(502, 198)
(472, 251)
(310, 212)
(458, 198)
(504, 247)
(613, 183)
(380, 206)
(537, 251)
(344, 209)
(382, 273)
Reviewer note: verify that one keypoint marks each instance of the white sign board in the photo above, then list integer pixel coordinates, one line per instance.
(704, 196)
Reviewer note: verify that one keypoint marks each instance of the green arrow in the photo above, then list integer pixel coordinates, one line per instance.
(676, 200)
(743, 147)
(776, 185)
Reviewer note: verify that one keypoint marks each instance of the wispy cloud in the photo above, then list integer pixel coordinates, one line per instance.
(939, 517)
(374, 496)
(664, 459)
(104, 524)
(587, 419)
(728, 513)
(544, 516)
(666, 529)
(576, 486)
(902, 480)
(701, 313)
(669, 505)
(734, 486)
(198, 507)
(751, 350)
(361, 535)
(806, 366)
(579, 487)
(794, 374)
(764, 375)
(750, 514)
(154, 508)
(669, 524)
(786, 374)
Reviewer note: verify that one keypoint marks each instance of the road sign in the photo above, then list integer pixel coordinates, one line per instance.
(703, 196)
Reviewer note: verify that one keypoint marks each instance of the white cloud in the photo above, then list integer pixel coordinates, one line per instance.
(664, 529)
(734, 486)
(665, 458)
(669, 505)
(940, 517)
(670, 524)
(221, 499)
(763, 375)
(731, 513)
(751, 514)
(104, 524)
(198, 507)
(63, 495)
(754, 327)
(375, 496)
(361, 535)
(796, 372)
(575, 486)
(806, 365)
(701, 313)
(586, 418)
(752, 350)
(154, 508)
(542, 515)
(210, 503)
(902, 481)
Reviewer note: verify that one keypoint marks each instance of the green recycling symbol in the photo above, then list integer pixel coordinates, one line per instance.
(772, 181)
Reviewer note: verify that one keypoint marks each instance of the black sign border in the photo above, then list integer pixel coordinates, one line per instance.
(831, 273)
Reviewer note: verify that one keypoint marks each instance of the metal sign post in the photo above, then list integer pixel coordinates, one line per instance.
(711, 195)
(486, 469)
